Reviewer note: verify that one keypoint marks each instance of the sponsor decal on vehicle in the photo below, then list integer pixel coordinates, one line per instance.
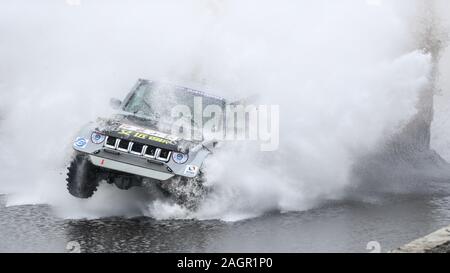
(138, 132)
(80, 142)
(191, 170)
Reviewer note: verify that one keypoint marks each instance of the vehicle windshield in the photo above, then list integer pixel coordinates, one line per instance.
(156, 101)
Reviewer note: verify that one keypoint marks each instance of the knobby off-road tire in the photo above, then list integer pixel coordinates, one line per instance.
(186, 192)
(82, 179)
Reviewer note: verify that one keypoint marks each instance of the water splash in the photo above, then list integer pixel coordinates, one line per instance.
(345, 75)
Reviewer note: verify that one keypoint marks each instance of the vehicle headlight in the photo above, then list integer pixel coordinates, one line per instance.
(180, 158)
(97, 138)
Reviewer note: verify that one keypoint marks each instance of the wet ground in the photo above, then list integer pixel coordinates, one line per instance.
(335, 227)
(445, 248)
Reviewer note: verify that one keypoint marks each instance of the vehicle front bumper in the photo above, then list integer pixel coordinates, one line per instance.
(129, 168)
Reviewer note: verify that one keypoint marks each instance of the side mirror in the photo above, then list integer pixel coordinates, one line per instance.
(115, 103)
(210, 144)
(207, 144)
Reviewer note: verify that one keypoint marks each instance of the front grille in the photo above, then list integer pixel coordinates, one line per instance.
(150, 152)
(136, 148)
(111, 142)
(164, 155)
(123, 145)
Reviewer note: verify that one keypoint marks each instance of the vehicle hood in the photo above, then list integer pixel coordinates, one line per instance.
(142, 131)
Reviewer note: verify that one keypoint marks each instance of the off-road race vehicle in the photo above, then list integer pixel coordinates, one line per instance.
(135, 147)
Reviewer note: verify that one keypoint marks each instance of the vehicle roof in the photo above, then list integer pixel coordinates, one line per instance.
(186, 89)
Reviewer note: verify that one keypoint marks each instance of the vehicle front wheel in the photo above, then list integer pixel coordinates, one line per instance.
(82, 179)
(187, 192)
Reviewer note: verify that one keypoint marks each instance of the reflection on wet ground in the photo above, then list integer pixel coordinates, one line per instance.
(334, 227)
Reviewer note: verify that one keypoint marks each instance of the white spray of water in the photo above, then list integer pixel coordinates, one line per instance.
(441, 124)
(343, 72)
